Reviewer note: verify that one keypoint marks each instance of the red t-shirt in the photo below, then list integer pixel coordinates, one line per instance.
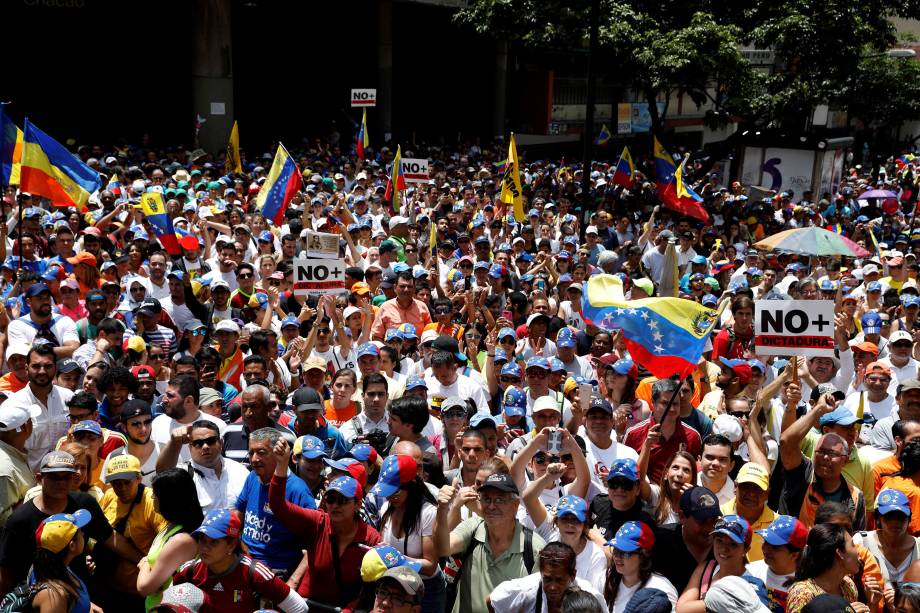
(685, 437)
(741, 349)
(232, 592)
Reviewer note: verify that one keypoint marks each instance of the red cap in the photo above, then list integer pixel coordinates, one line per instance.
(143, 372)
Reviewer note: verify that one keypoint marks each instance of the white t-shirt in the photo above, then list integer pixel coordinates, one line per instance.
(229, 277)
(879, 410)
(520, 595)
(464, 387)
(656, 581)
(179, 313)
(163, 425)
(776, 584)
(63, 328)
(333, 356)
(600, 460)
(580, 366)
(590, 564)
(411, 544)
(525, 351)
(899, 374)
(160, 292)
(653, 260)
(571, 316)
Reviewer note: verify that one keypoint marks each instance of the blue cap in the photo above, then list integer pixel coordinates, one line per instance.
(309, 447)
(505, 247)
(11, 262)
(533, 213)
(480, 420)
(496, 271)
(393, 334)
(266, 237)
(565, 278)
(699, 259)
(862, 219)
(511, 369)
(601, 404)
(709, 300)
(514, 402)
(574, 506)
(633, 535)
(840, 417)
(178, 274)
(758, 364)
(563, 255)
(556, 365)
(290, 320)
(827, 285)
(220, 523)
(649, 599)
(909, 300)
(362, 452)
(871, 323)
(419, 273)
(346, 486)
(408, 331)
(538, 362)
(399, 267)
(623, 467)
(481, 265)
(500, 356)
(528, 277)
(731, 363)
(415, 382)
(36, 289)
(734, 527)
(785, 530)
(874, 286)
(890, 500)
(623, 366)
(754, 272)
(141, 235)
(368, 349)
(88, 425)
(505, 332)
(565, 338)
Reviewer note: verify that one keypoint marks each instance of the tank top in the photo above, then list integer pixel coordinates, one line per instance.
(153, 600)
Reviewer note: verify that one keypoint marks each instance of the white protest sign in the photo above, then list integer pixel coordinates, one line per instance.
(415, 170)
(322, 245)
(363, 97)
(318, 277)
(794, 327)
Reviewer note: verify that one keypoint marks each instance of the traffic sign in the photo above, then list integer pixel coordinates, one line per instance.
(794, 327)
(415, 170)
(364, 97)
(314, 277)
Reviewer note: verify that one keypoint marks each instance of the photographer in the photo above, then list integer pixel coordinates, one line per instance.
(370, 425)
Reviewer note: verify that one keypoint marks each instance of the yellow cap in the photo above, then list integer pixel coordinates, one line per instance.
(122, 467)
(754, 473)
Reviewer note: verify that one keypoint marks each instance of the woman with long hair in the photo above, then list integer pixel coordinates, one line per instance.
(731, 539)
(737, 340)
(232, 581)
(890, 543)
(907, 599)
(176, 499)
(632, 567)
(679, 474)
(828, 560)
(59, 540)
(407, 521)
(619, 383)
(340, 407)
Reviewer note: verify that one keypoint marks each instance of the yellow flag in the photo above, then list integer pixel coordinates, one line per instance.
(511, 183)
(233, 163)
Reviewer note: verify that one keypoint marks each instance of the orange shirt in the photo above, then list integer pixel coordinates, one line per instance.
(884, 466)
(11, 383)
(910, 486)
(339, 417)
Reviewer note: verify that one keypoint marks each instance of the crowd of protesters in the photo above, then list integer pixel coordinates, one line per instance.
(185, 432)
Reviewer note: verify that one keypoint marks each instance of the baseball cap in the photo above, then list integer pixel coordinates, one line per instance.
(545, 403)
(700, 503)
(514, 402)
(900, 335)
(363, 453)
(388, 279)
(500, 481)
(220, 523)
(393, 334)
(649, 600)
(601, 404)
(207, 395)
(88, 425)
(314, 362)
(538, 362)
(840, 416)
(632, 536)
(307, 399)
(908, 384)
(623, 467)
(877, 368)
(741, 369)
(408, 579)
(572, 505)
(397, 470)
(890, 501)
(58, 462)
(36, 289)
(14, 416)
(873, 286)
(368, 349)
(310, 447)
(511, 369)
(727, 426)
(826, 388)
(182, 598)
(449, 344)
(351, 467)
(135, 408)
(123, 468)
(535, 316)
(565, 338)
(828, 603)
(871, 323)
(17, 348)
(68, 365)
(150, 306)
(453, 402)
(57, 531)
(226, 325)
(734, 527)
(736, 595)
(143, 372)
(556, 365)
(785, 530)
(506, 332)
(382, 558)
(754, 473)
(346, 486)
(408, 331)
(415, 382)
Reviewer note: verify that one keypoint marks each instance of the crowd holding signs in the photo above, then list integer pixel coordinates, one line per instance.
(451, 381)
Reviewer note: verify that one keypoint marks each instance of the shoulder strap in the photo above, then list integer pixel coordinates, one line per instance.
(539, 604)
(359, 431)
(706, 579)
(469, 550)
(528, 552)
(870, 542)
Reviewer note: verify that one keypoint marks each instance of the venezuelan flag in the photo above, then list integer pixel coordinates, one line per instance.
(363, 139)
(10, 151)
(284, 179)
(501, 166)
(671, 188)
(397, 181)
(187, 240)
(50, 170)
(604, 137)
(666, 335)
(154, 209)
(625, 172)
(115, 186)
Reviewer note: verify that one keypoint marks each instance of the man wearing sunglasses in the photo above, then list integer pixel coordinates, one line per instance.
(136, 420)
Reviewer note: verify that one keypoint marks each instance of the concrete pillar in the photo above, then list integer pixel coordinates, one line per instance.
(212, 73)
(385, 66)
(499, 88)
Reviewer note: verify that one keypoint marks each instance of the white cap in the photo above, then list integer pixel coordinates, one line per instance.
(17, 349)
(591, 230)
(398, 219)
(361, 175)
(727, 426)
(545, 403)
(219, 283)
(518, 239)
(228, 325)
(428, 335)
(13, 415)
(349, 311)
(900, 335)
(868, 269)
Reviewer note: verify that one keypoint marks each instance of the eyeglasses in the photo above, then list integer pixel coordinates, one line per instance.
(322, 330)
(454, 415)
(336, 500)
(399, 601)
(537, 373)
(210, 442)
(497, 501)
(827, 453)
(274, 283)
(156, 356)
(509, 380)
(473, 337)
(442, 310)
(621, 483)
(878, 379)
(410, 251)
(739, 414)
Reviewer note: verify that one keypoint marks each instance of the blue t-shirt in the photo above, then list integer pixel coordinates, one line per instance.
(269, 541)
(82, 604)
(336, 445)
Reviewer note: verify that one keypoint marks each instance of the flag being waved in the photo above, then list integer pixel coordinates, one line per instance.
(671, 189)
(397, 181)
(511, 183)
(10, 151)
(233, 162)
(625, 172)
(284, 179)
(154, 209)
(50, 170)
(604, 137)
(665, 335)
(363, 139)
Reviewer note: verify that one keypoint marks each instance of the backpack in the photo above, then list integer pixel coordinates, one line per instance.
(20, 599)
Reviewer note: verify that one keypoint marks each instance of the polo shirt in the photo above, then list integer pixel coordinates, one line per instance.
(218, 492)
(857, 470)
(766, 518)
(16, 478)
(391, 315)
(684, 437)
(481, 573)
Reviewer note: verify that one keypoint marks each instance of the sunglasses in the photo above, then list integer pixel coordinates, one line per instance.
(274, 283)
(621, 483)
(454, 415)
(210, 442)
(247, 275)
(198, 332)
(140, 424)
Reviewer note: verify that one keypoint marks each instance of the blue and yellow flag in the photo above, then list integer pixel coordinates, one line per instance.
(396, 182)
(50, 170)
(511, 183)
(604, 137)
(665, 335)
(154, 209)
(10, 151)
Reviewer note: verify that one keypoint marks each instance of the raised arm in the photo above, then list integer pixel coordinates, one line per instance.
(791, 440)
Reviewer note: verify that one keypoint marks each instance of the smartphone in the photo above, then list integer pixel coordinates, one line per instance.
(507, 315)
(585, 390)
(554, 443)
(468, 283)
